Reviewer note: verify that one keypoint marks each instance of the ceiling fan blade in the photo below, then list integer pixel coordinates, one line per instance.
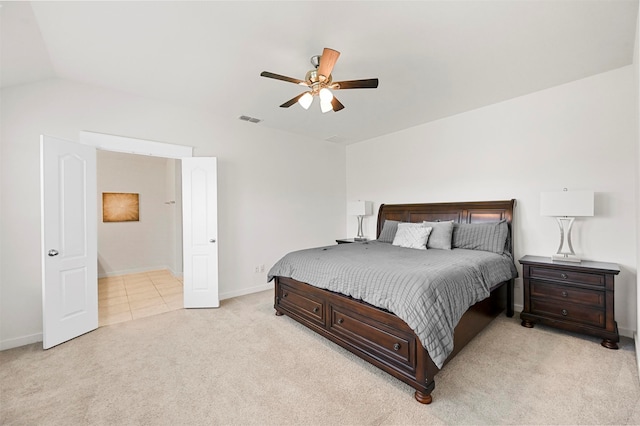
(282, 77)
(370, 83)
(327, 61)
(337, 105)
(292, 101)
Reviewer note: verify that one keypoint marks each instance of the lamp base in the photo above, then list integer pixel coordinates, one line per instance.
(565, 252)
(360, 236)
(565, 258)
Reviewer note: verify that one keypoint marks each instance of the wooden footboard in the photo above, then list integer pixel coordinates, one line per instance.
(376, 335)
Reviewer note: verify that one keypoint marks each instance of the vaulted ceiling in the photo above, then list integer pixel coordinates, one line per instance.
(434, 58)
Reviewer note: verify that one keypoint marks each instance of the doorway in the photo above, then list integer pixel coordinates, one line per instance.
(69, 240)
(139, 255)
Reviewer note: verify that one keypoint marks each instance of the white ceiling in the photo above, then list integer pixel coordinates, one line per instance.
(434, 58)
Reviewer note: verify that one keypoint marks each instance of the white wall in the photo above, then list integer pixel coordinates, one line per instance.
(636, 73)
(148, 244)
(276, 192)
(579, 135)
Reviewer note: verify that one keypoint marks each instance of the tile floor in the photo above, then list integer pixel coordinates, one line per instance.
(126, 297)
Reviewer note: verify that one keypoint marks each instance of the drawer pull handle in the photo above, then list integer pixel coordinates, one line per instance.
(340, 320)
(396, 347)
(285, 295)
(564, 276)
(565, 294)
(565, 313)
(316, 309)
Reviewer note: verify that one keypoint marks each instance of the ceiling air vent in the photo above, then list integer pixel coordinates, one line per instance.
(249, 119)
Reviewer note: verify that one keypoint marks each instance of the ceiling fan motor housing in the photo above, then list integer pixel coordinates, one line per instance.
(317, 81)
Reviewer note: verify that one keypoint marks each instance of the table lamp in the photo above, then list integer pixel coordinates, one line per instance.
(360, 209)
(565, 206)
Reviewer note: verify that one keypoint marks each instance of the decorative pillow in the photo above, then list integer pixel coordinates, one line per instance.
(388, 231)
(412, 235)
(491, 236)
(441, 235)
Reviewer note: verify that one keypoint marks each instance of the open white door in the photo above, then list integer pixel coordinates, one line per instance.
(200, 232)
(69, 240)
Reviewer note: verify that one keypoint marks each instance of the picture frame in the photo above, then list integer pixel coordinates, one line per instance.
(120, 207)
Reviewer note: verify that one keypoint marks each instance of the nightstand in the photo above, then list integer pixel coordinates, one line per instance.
(576, 297)
(350, 240)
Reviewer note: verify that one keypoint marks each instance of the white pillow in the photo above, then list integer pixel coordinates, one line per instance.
(412, 235)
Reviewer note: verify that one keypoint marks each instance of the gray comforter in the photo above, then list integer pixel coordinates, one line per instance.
(428, 289)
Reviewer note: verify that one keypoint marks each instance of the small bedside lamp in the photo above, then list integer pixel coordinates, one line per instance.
(565, 206)
(360, 209)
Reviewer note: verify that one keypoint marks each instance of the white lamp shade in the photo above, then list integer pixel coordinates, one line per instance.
(566, 203)
(360, 208)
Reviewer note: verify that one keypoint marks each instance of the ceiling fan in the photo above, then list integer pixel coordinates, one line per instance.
(320, 83)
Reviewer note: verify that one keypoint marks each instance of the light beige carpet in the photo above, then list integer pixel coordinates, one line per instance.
(240, 364)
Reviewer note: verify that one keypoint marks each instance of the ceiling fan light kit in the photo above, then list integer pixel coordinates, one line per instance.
(320, 81)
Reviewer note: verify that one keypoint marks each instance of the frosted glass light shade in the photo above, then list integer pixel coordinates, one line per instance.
(360, 208)
(325, 95)
(305, 100)
(325, 106)
(566, 203)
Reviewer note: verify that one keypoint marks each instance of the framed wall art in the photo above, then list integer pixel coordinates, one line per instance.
(120, 207)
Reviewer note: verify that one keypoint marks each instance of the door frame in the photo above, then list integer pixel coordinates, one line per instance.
(126, 145)
(134, 146)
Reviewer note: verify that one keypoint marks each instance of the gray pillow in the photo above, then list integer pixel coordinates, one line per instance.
(388, 232)
(490, 236)
(441, 235)
(412, 235)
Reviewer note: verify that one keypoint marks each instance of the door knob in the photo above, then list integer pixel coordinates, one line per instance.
(53, 252)
(212, 240)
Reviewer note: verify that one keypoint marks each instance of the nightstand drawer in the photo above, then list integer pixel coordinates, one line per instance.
(566, 275)
(567, 294)
(568, 312)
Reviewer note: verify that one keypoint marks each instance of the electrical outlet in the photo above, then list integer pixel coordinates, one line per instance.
(256, 269)
(261, 268)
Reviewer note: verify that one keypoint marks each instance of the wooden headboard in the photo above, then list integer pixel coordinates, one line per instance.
(460, 212)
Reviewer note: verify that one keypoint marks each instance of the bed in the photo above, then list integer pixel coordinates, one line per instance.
(364, 316)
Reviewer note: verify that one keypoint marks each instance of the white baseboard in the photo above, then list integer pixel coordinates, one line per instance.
(245, 291)
(139, 270)
(20, 341)
(517, 309)
(627, 332)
